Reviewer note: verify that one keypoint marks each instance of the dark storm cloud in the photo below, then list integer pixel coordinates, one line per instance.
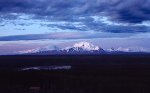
(131, 11)
(60, 9)
(102, 27)
(66, 27)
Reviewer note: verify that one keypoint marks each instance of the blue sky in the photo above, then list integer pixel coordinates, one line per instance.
(63, 22)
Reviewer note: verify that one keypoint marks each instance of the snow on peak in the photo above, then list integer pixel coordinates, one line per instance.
(47, 48)
(128, 49)
(29, 51)
(124, 49)
(86, 46)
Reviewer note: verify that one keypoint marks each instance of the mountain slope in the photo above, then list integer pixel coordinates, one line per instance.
(79, 48)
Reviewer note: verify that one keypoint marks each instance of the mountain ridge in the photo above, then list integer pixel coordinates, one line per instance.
(78, 48)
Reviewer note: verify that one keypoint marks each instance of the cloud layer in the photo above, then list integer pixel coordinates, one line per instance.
(125, 11)
(64, 36)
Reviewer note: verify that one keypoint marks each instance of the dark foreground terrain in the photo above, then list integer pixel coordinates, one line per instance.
(88, 74)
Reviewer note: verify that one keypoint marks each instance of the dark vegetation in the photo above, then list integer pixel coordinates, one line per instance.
(89, 74)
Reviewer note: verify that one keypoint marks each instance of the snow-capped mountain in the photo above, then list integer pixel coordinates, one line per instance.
(128, 49)
(47, 48)
(79, 48)
(120, 49)
(29, 51)
(82, 47)
(86, 46)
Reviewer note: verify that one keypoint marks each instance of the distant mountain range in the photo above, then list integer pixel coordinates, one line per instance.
(78, 48)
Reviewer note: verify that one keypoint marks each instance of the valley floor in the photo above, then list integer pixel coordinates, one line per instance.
(88, 74)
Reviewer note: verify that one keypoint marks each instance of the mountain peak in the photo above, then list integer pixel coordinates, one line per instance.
(86, 46)
(79, 47)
